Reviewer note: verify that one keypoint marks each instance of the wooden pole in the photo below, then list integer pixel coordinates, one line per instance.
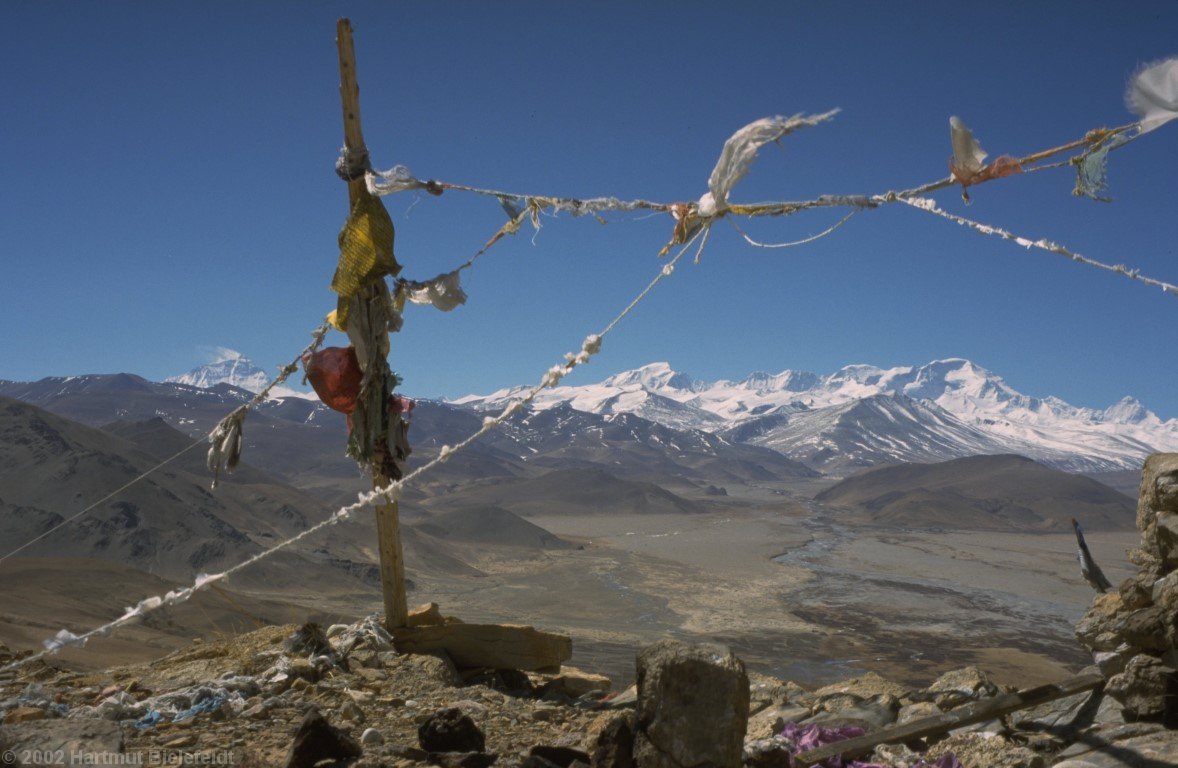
(388, 527)
(977, 712)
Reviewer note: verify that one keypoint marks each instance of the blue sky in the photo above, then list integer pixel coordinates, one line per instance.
(167, 186)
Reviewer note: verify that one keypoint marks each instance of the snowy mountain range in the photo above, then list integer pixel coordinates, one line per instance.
(863, 415)
(231, 367)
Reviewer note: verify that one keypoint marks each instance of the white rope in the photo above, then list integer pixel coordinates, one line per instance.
(589, 347)
(803, 241)
(926, 204)
(260, 397)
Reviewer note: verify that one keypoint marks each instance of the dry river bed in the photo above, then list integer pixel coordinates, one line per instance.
(797, 595)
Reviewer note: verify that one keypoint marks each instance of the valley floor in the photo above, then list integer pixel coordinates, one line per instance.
(795, 594)
(790, 585)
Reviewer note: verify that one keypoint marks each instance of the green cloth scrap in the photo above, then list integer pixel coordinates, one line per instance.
(1092, 170)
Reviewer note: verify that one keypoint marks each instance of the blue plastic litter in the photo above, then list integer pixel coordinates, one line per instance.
(211, 704)
(152, 718)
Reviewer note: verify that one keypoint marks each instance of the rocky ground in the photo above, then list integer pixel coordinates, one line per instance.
(298, 696)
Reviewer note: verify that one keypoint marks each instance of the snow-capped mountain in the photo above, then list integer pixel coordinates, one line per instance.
(231, 367)
(862, 415)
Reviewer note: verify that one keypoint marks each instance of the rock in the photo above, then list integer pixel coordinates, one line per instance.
(916, 711)
(1133, 745)
(308, 640)
(24, 715)
(438, 667)
(506, 680)
(870, 715)
(693, 706)
(865, 686)
(180, 742)
(974, 749)
(770, 722)
(1062, 717)
(305, 670)
(894, 754)
(1145, 628)
(80, 736)
(317, 740)
(627, 698)
(462, 759)
(561, 756)
(450, 730)
(768, 753)
(1145, 687)
(422, 615)
(960, 685)
(495, 646)
(1113, 662)
(350, 710)
(572, 682)
(1159, 494)
(613, 744)
(1167, 538)
(371, 737)
(1098, 630)
(535, 761)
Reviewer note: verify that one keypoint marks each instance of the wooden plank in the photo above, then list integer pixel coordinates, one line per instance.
(977, 712)
(388, 524)
(498, 646)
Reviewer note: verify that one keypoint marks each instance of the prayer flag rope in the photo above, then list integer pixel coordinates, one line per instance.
(589, 347)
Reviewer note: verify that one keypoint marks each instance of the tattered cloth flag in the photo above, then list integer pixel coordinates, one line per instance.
(968, 162)
(444, 291)
(1153, 94)
(225, 448)
(365, 254)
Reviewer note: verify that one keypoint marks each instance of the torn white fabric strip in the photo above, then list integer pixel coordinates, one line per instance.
(741, 149)
(1153, 94)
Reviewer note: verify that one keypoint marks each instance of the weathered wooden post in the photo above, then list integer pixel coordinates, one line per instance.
(392, 561)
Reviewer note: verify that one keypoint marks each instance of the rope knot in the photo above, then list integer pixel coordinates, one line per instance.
(352, 164)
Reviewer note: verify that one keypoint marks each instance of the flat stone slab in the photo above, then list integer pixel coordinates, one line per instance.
(497, 646)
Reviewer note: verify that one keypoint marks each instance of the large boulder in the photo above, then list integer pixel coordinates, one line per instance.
(1158, 504)
(693, 706)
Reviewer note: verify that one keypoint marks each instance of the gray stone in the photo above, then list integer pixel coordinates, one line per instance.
(1113, 662)
(1159, 493)
(1062, 716)
(613, 745)
(371, 737)
(959, 685)
(771, 721)
(693, 703)
(71, 737)
(872, 714)
(974, 749)
(1144, 688)
(450, 730)
(1133, 745)
(1145, 629)
(916, 711)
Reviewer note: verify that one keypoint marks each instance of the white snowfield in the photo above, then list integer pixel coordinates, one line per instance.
(862, 415)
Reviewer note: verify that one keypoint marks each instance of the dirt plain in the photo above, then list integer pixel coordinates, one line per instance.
(798, 590)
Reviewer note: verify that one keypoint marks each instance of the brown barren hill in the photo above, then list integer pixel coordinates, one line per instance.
(984, 493)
